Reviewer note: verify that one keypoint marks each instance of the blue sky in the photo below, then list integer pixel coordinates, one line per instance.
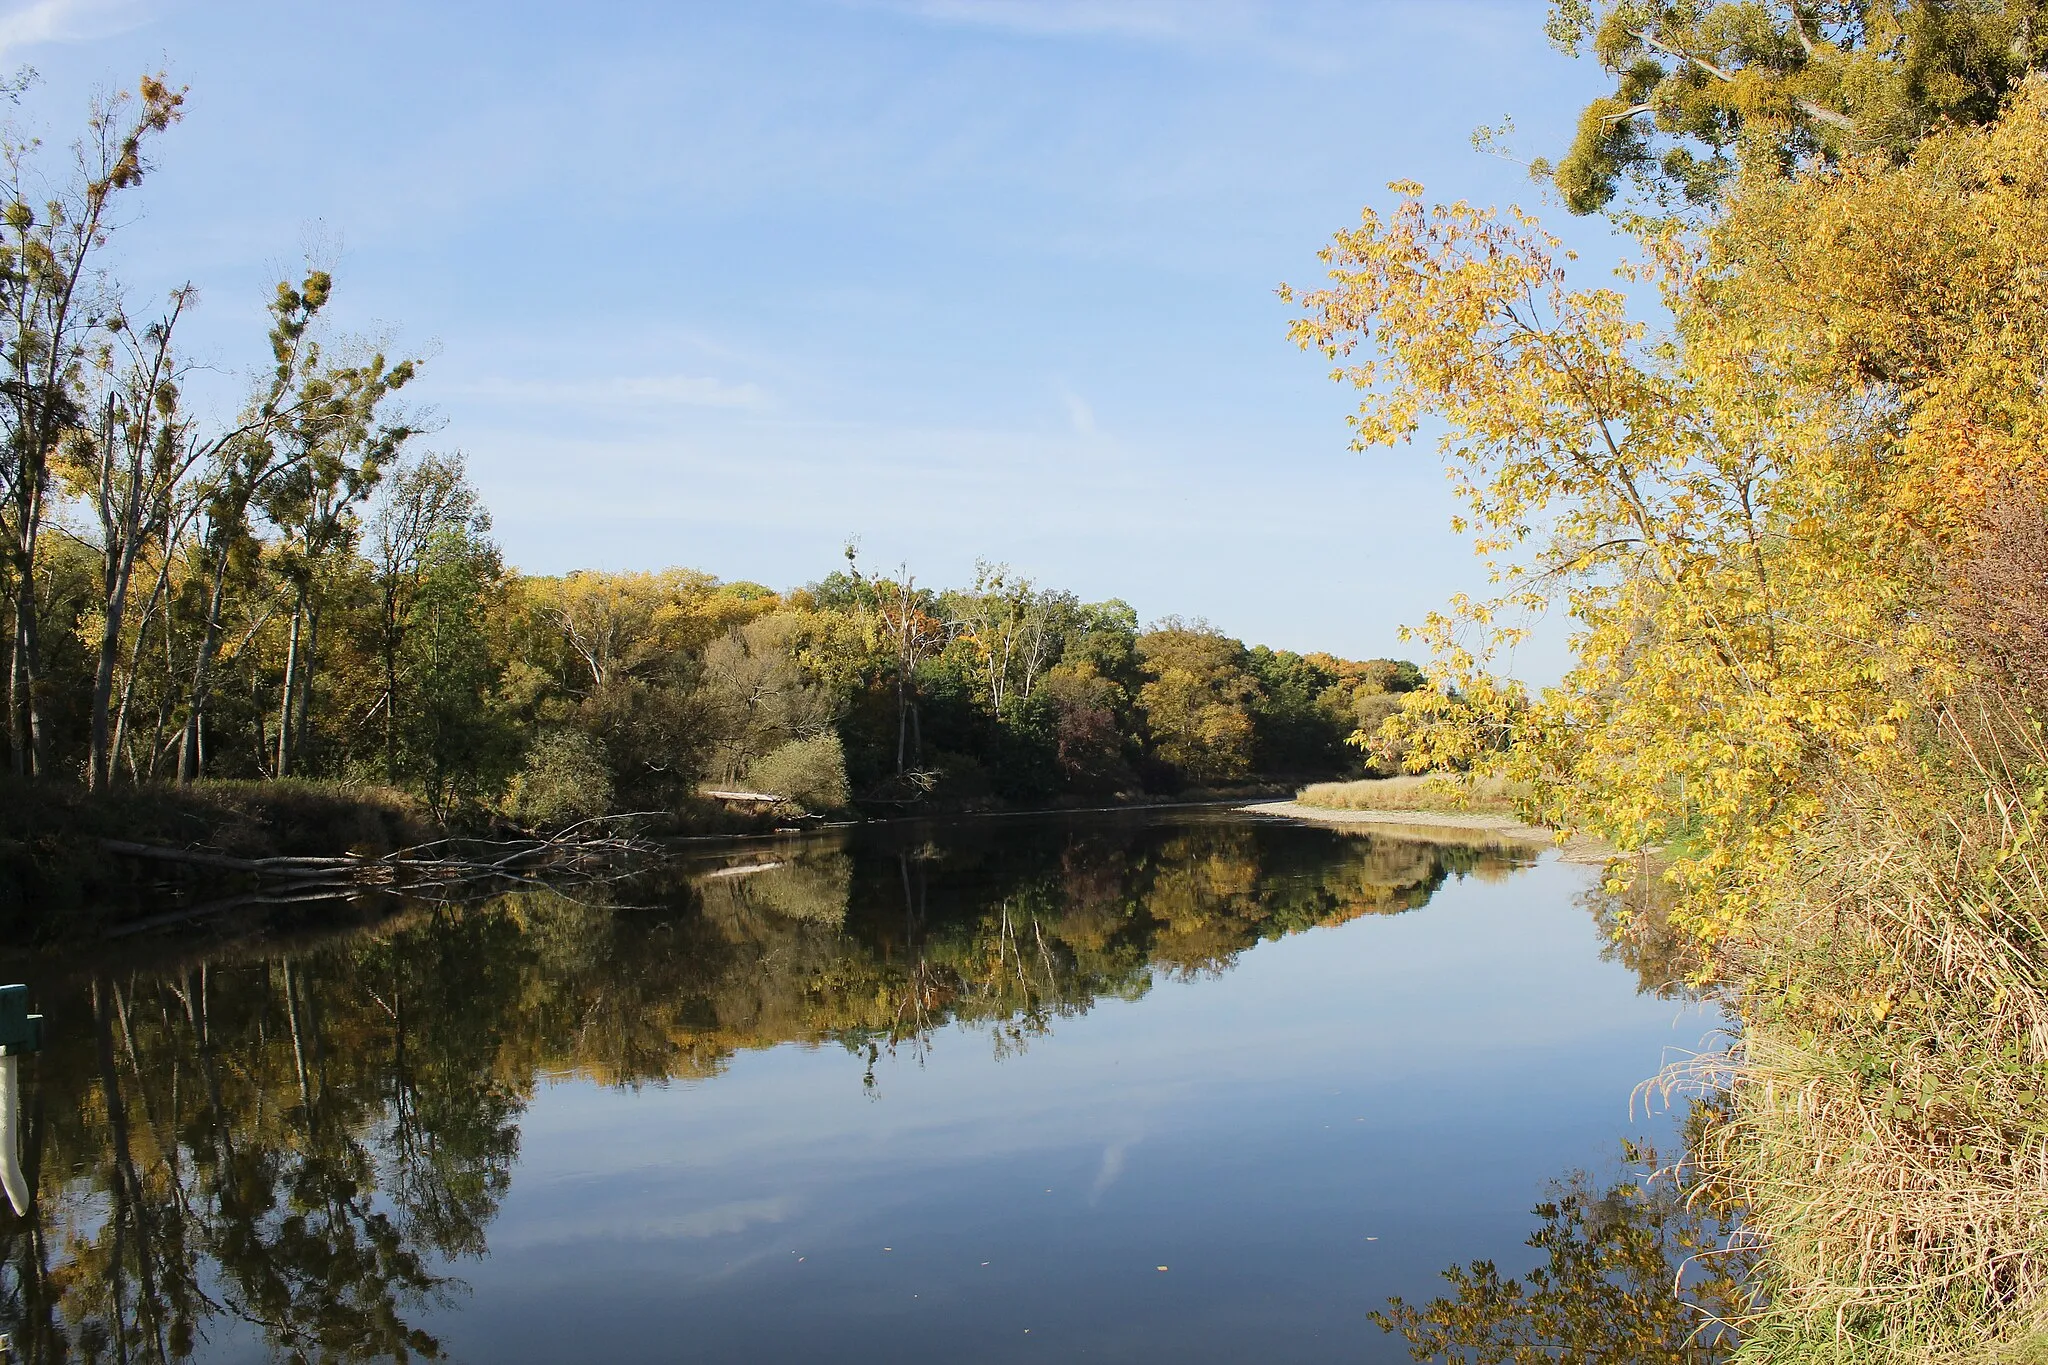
(723, 284)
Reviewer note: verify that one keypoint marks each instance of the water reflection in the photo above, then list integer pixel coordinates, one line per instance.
(1632, 908)
(307, 1144)
(1636, 1269)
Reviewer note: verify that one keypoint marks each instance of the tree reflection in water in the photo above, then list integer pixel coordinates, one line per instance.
(304, 1143)
(1636, 1271)
(1639, 1270)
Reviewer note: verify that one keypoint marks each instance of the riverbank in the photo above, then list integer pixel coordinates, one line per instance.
(74, 866)
(58, 879)
(1440, 827)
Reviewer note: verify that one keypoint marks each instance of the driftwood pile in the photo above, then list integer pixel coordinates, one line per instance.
(443, 869)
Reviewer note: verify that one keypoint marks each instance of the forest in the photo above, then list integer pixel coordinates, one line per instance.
(304, 590)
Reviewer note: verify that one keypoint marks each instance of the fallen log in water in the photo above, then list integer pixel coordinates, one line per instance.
(579, 854)
(740, 870)
(201, 858)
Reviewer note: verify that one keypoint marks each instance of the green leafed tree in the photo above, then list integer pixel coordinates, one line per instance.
(1704, 88)
(1197, 701)
(456, 746)
(427, 499)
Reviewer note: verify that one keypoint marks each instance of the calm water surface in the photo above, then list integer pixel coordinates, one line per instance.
(1186, 1087)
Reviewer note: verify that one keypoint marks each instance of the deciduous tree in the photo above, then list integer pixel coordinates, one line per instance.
(1703, 87)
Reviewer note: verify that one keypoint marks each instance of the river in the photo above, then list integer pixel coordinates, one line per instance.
(1191, 1086)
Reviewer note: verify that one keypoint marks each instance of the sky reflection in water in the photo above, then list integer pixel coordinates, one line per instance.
(1038, 1060)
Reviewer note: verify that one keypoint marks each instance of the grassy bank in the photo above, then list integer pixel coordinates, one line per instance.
(1889, 1129)
(1446, 793)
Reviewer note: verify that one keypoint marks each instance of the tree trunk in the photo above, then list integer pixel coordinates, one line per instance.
(17, 729)
(902, 718)
(311, 671)
(289, 690)
(118, 743)
(31, 744)
(391, 641)
(166, 704)
(191, 758)
(99, 766)
(28, 667)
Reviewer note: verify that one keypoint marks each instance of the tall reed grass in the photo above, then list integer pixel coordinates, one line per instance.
(1440, 792)
(1888, 1135)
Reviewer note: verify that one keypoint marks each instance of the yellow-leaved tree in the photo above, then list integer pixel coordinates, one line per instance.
(1802, 532)
(1751, 514)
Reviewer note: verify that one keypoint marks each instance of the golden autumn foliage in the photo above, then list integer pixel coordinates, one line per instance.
(1750, 515)
(1800, 529)
(619, 621)
(1197, 699)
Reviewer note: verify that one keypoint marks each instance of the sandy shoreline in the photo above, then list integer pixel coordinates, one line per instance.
(1440, 826)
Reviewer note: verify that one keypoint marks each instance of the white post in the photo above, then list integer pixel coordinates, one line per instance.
(10, 1137)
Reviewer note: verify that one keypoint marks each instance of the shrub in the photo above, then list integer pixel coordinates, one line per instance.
(564, 779)
(806, 772)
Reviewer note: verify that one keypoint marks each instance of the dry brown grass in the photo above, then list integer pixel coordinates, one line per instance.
(1451, 792)
(1889, 1137)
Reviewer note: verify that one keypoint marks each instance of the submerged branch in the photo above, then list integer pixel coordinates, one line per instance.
(581, 853)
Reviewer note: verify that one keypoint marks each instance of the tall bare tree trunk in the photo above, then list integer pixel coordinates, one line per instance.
(28, 668)
(17, 726)
(99, 766)
(391, 683)
(902, 717)
(310, 671)
(117, 743)
(190, 755)
(291, 679)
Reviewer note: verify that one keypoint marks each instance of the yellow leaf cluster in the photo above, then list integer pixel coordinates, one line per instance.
(1750, 516)
(618, 623)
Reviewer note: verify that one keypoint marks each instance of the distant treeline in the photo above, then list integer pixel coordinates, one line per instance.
(299, 591)
(404, 652)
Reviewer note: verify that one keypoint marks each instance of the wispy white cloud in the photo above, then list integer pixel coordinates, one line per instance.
(1155, 19)
(1308, 33)
(1079, 415)
(65, 21)
(640, 391)
(1112, 1169)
